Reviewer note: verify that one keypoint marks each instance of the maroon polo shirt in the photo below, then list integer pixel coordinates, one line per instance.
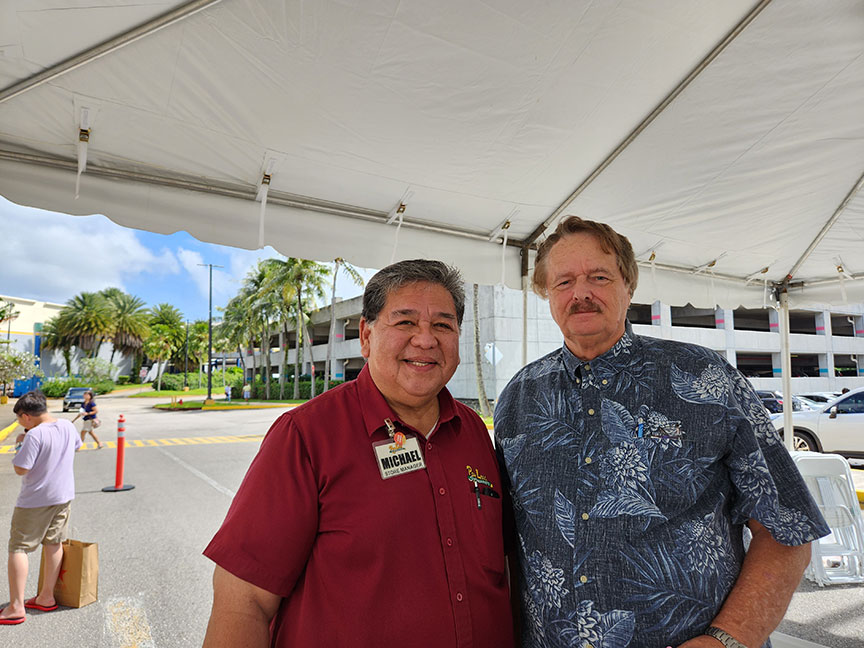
(410, 561)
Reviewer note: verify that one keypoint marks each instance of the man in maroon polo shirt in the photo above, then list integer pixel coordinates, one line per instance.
(372, 515)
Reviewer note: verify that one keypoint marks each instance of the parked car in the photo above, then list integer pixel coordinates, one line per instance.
(820, 397)
(773, 401)
(74, 398)
(837, 426)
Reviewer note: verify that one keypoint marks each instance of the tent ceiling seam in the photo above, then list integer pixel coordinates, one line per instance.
(247, 193)
(105, 47)
(704, 63)
(827, 227)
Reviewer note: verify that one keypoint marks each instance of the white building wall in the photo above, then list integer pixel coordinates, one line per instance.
(500, 314)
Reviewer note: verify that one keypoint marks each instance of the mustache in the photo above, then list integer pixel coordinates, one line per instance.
(583, 307)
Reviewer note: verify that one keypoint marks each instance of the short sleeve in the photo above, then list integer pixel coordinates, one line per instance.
(26, 456)
(768, 486)
(269, 530)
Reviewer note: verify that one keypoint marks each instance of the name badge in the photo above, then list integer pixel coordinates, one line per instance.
(398, 459)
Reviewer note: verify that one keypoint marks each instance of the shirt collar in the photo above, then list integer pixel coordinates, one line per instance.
(375, 408)
(606, 364)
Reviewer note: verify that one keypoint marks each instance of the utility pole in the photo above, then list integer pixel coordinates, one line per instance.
(210, 336)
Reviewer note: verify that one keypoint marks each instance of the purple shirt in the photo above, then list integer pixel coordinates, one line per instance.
(47, 452)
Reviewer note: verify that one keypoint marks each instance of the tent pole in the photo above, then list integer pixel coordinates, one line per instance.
(786, 370)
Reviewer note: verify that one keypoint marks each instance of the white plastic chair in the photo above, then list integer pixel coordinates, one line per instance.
(839, 556)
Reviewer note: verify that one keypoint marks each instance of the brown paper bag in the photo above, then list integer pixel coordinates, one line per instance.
(78, 584)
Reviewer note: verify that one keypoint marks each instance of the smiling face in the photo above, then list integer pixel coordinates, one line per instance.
(588, 296)
(412, 347)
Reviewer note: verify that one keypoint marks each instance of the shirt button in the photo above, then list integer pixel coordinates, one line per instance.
(428, 446)
(590, 412)
(441, 491)
(587, 459)
(459, 596)
(584, 516)
(587, 367)
(449, 542)
(604, 381)
(583, 579)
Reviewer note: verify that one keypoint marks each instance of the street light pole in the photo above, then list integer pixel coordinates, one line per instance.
(210, 334)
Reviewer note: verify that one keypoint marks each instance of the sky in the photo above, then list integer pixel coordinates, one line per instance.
(52, 257)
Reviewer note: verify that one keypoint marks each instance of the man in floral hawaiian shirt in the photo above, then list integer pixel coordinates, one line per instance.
(637, 466)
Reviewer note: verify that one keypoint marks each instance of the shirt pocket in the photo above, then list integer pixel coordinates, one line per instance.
(485, 504)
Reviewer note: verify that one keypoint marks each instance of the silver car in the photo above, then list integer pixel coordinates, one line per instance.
(837, 426)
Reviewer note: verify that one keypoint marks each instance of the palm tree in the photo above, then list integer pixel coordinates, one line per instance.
(159, 346)
(54, 339)
(351, 271)
(86, 318)
(199, 345)
(485, 410)
(233, 328)
(170, 316)
(261, 301)
(307, 278)
(129, 322)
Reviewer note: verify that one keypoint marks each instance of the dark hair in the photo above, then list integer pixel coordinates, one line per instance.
(611, 242)
(90, 393)
(32, 403)
(402, 273)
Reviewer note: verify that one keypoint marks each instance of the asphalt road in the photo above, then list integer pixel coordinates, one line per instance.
(154, 584)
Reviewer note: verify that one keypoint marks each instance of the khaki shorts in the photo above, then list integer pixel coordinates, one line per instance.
(87, 426)
(41, 525)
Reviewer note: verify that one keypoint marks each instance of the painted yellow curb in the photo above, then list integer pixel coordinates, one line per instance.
(5, 431)
(860, 494)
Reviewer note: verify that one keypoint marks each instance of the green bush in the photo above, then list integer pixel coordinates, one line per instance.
(57, 387)
(305, 388)
(124, 380)
(174, 381)
(103, 387)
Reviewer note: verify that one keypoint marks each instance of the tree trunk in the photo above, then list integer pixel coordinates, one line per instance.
(297, 346)
(307, 345)
(327, 361)
(284, 367)
(485, 410)
(267, 360)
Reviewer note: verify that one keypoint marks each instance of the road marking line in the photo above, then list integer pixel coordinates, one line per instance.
(127, 622)
(158, 443)
(219, 487)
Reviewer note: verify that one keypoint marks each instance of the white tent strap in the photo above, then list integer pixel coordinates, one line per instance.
(83, 140)
(503, 254)
(396, 237)
(263, 190)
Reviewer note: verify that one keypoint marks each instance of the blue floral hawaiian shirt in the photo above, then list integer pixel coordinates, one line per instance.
(632, 476)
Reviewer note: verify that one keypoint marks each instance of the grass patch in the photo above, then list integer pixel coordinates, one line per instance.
(222, 404)
(153, 393)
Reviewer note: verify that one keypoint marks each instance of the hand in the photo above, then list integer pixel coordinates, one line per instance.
(702, 641)
(20, 437)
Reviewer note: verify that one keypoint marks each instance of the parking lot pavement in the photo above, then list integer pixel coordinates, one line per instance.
(154, 584)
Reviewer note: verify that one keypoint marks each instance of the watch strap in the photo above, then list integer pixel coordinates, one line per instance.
(724, 637)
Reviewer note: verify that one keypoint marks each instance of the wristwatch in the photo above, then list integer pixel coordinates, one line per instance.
(724, 637)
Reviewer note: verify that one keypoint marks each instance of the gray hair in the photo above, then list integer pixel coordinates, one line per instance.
(32, 403)
(402, 273)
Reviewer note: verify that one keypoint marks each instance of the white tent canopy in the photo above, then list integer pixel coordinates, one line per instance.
(725, 139)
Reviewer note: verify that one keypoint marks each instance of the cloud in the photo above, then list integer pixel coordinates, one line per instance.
(52, 257)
